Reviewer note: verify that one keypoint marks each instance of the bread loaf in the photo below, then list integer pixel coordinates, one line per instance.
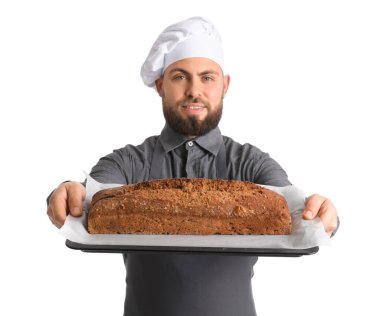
(189, 207)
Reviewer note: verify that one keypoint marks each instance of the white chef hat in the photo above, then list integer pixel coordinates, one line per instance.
(194, 37)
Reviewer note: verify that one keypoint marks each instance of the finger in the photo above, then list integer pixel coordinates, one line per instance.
(50, 215)
(58, 206)
(329, 216)
(76, 194)
(312, 206)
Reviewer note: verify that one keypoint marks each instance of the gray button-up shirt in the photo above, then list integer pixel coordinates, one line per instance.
(191, 159)
(183, 284)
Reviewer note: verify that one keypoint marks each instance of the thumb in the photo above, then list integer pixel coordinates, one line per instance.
(308, 214)
(312, 206)
(76, 195)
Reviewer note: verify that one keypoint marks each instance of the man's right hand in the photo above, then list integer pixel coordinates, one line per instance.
(66, 199)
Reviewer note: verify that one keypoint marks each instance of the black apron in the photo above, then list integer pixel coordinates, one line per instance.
(166, 284)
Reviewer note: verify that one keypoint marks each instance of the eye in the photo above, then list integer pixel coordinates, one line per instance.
(179, 77)
(208, 78)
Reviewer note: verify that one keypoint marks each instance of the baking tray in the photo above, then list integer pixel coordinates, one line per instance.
(260, 252)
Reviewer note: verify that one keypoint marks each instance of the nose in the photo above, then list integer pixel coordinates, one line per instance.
(194, 88)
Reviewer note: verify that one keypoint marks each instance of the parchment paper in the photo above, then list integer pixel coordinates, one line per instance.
(305, 233)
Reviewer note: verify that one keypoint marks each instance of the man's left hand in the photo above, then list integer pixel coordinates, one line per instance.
(317, 205)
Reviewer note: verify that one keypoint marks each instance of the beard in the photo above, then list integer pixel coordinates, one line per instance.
(191, 126)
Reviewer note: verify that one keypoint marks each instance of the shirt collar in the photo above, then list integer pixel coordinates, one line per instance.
(170, 139)
(211, 141)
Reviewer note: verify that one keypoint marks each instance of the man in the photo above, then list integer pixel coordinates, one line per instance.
(185, 65)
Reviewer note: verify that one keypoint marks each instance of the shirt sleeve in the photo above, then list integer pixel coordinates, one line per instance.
(109, 169)
(127, 165)
(267, 171)
(257, 166)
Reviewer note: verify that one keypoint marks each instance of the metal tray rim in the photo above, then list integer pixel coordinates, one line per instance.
(264, 252)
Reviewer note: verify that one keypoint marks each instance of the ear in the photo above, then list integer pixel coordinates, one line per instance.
(226, 84)
(159, 83)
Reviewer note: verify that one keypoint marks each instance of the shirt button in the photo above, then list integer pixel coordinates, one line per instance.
(190, 143)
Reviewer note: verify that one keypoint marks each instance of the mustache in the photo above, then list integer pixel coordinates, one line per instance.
(186, 102)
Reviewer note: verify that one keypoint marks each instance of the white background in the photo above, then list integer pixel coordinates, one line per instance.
(305, 88)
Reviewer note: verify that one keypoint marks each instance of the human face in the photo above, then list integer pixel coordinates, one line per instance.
(192, 92)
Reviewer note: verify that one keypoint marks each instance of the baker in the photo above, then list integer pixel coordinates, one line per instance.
(185, 66)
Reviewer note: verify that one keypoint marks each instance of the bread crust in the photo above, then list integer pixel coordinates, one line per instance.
(189, 207)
